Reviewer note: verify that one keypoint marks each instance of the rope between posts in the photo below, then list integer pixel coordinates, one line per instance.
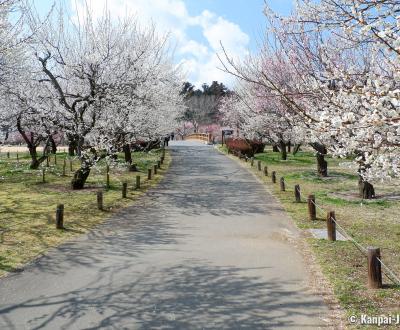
(393, 277)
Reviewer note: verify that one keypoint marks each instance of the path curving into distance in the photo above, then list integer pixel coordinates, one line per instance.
(203, 250)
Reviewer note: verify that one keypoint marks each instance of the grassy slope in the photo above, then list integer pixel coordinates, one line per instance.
(27, 206)
(374, 223)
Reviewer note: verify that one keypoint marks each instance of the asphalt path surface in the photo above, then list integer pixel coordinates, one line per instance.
(205, 249)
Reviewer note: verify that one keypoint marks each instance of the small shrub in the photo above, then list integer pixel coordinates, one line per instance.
(244, 146)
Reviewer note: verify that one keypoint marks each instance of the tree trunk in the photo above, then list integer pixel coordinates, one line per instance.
(282, 146)
(289, 146)
(53, 145)
(296, 149)
(71, 148)
(34, 160)
(322, 164)
(275, 148)
(128, 158)
(79, 179)
(365, 188)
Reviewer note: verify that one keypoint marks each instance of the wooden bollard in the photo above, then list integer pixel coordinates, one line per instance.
(55, 159)
(43, 175)
(282, 184)
(124, 189)
(137, 181)
(297, 194)
(8, 154)
(64, 167)
(273, 177)
(374, 268)
(312, 210)
(70, 165)
(108, 176)
(100, 200)
(60, 216)
(155, 169)
(252, 161)
(259, 165)
(265, 170)
(159, 164)
(331, 225)
(149, 174)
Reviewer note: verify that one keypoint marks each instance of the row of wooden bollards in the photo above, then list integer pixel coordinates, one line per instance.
(100, 199)
(373, 253)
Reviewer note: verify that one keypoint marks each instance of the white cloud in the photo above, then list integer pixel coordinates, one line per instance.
(198, 59)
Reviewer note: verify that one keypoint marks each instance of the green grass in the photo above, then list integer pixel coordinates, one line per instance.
(27, 205)
(371, 223)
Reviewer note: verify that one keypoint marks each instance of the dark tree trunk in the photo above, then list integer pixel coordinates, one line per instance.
(79, 179)
(34, 159)
(53, 145)
(322, 164)
(71, 148)
(296, 149)
(289, 146)
(275, 148)
(128, 158)
(283, 151)
(366, 189)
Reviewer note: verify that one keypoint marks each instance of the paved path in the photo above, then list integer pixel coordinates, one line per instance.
(203, 250)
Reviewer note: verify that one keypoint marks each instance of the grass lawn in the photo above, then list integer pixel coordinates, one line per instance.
(371, 223)
(27, 205)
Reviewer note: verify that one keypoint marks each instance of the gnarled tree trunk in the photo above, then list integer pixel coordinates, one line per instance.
(53, 145)
(322, 164)
(296, 149)
(128, 158)
(275, 148)
(80, 177)
(282, 147)
(366, 189)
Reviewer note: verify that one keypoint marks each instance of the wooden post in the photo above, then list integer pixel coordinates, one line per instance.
(331, 225)
(273, 177)
(155, 169)
(108, 176)
(70, 165)
(149, 174)
(297, 194)
(162, 160)
(259, 165)
(159, 164)
(55, 159)
(100, 200)
(60, 216)
(252, 161)
(312, 210)
(137, 182)
(43, 175)
(266, 170)
(374, 268)
(8, 154)
(124, 189)
(282, 183)
(64, 166)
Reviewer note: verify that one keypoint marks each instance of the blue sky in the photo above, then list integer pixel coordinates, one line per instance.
(197, 27)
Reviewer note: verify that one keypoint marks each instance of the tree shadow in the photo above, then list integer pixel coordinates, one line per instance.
(198, 296)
